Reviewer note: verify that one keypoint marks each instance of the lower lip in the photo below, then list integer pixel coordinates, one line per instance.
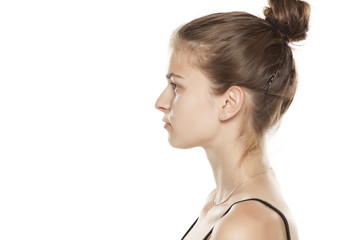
(167, 125)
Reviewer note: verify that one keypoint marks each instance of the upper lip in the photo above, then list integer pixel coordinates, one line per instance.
(164, 120)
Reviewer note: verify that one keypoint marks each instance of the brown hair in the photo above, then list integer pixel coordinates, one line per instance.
(239, 49)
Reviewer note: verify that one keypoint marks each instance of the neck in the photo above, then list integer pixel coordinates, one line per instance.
(231, 166)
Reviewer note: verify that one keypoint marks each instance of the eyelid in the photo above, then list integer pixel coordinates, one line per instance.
(174, 84)
(171, 81)
(170, 76)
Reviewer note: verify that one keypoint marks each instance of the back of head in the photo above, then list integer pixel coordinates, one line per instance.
(292, 15)
(239, 49)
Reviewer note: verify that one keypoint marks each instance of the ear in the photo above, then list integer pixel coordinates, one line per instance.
(233, 101)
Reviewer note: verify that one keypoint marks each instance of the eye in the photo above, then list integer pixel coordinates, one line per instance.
(174, 85)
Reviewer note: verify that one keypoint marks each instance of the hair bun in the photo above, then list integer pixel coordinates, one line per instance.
(292, 15)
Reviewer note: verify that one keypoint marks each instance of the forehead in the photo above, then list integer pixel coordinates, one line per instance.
(180, 61)
(183, 63)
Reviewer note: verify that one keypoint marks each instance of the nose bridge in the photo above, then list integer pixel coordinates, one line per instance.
(163, 102)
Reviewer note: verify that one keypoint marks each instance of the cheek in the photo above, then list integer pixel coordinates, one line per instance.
(193, 117)
(185, 109)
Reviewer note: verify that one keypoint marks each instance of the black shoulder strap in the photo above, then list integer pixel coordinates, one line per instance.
(270, 206)
(189, 229)
(250, 199)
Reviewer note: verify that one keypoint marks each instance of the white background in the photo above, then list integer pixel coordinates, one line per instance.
(83, 152)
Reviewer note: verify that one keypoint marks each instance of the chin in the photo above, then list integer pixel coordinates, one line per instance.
(180, 144)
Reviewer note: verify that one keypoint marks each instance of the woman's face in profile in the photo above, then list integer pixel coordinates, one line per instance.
(188, 104)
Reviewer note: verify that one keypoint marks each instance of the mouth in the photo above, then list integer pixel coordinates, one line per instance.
(167, 124)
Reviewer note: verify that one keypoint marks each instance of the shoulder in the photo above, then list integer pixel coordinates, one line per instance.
(250, 220)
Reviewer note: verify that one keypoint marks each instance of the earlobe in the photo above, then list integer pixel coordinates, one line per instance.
(221, 116)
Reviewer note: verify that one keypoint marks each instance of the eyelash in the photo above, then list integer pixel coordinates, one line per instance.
(174, 86)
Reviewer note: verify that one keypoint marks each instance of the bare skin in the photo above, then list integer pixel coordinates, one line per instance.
(197, 117)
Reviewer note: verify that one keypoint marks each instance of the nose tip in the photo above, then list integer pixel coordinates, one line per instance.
(160, 108)
(158, 105)
(161, 104)
(164, 101)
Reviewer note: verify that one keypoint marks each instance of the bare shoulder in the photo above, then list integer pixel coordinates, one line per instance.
(250, 220)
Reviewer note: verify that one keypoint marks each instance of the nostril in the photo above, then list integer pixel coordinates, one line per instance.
(158, 106)
(161, 106)
(161, 109)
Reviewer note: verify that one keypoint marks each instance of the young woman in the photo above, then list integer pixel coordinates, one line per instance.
(231, 78)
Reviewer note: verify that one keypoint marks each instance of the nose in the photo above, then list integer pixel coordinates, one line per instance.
(163, 103)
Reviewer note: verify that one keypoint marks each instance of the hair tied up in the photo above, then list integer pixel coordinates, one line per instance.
(283, 29)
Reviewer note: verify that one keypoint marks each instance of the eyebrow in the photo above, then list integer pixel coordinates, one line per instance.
(168, 76)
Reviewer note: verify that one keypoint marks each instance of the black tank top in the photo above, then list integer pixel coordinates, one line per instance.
(251, 199)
